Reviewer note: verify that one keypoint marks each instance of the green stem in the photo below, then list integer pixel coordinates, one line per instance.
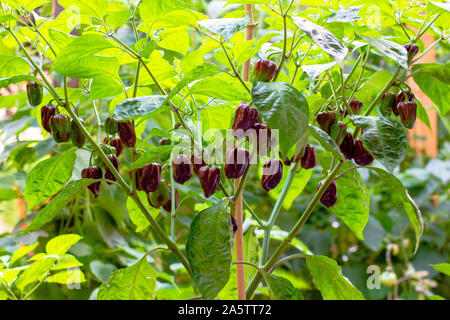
(276, 210)
(363, 67)
(283, 55)
(236, 73)
(279, 251)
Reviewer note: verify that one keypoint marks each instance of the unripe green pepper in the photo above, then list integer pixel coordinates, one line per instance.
(60, 127)
(160, 196)
(35, 93)
(111, 126)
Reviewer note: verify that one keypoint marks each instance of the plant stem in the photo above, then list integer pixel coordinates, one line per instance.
(363, 67)
(236, 73)
(283, 54)
(276, 211)
(279, 251)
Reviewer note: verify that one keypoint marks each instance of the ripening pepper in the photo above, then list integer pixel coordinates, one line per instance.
(46, 113)
(148, 178)
(160, 196)
(347, 146)
(234, 224)
(35, 93)
(197, 162)
(164, 141)
(93, 173)
(388, 103)
(356, 106)
(76, 136)
(127, 134)
(272, 174)
(209, 179)
(182, 169)
(361, 156)
(236, 162)
(340, 134)
(309, 159)
(408, 113)
(412, 50)
(330, 195)
(116, 143)
(263, 138)
(264, 70)
(326, 120)
(60, 127)
(115, 161)
(245, 117)
(168, 205)
(111, 126)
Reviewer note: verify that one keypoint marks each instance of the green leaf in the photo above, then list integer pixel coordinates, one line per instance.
(103, 87)
(323, 38)
(159, 154)
(372, 87)
(11, 66)
(284, 108)
(281, 288)
(345, 15)
(91, 8)
(48, 177)
(326, 142)
(58, 203)
(434, 80)
(199, 72)
(328, 278)
(137, 282)
(352, 206)
(314, 70)
(229, 90)
(133, 108)
(389, 49)
(61, 244)
(208, 249)
(66, 261)
(22, 252)
(225, 27)
(385, 138)
(67, 277)
(35, 272)
(400, 197)
(136, 215)
(118, 18)
(442, 267)
(5, 82)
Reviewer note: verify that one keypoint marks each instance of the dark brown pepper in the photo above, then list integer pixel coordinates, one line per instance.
(209, 179)
(127, 134)
(244, 118)
(272, 174)
(93, 173)
(361, 156)
(182, 170)
(236, 162)
(330, 195)
(309, 159)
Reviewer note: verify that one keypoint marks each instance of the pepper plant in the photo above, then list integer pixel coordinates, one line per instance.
(149, 106)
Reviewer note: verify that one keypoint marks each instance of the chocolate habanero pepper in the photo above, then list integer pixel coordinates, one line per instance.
(168, 205)
(197, 162)
(127, 134)
(236, 162)
(35, 93)
(361, 156)
(76, 136)
(182, 169)
(116, 143)
(160, 196)
(46, 113)
(263, 138)
(93, 173)
(272, 174)
(326, 120)
(264, 70)
(388, 103)
(330, 195)
(356, 106)
(115, 161)
(209, 179)
(408, 113)
(111, 126)
(309, 159)
(60, 127)
(245, 117)
(148, 178)
(412, 50)
(347, 146)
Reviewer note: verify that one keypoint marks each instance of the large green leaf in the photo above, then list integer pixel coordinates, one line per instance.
(314, 70)
(225, 27)
(284, 108)
(133, 108)
(434, 80)
(208, 249)
(442, 267)
(92, 8)
(281, 288)
(385, 138)
(328, 278)
(229, 90)
(389, 49)
(326, 142)
(352, 206)
(137, 282)
(345, 15)
(400, 197)
(61, 244)
(11, 66)
(135, 213)
(48, 177)
(323, 38)
(35, 272)
(4, 82)
(58, 203)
